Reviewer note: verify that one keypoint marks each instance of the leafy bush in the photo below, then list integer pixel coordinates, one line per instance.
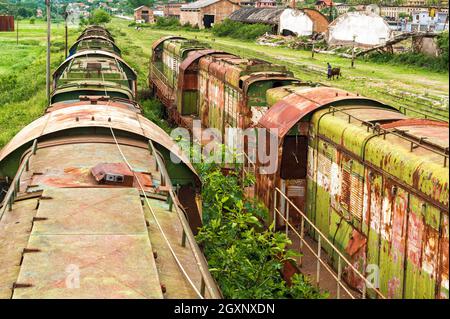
(437, 64)
(99, 16)
(245, 257)
(238, 30)
(167, 23)
(154, 111)
(171, 23)
(32, 20)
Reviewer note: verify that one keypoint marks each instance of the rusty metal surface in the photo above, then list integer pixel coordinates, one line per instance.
(102, 115)
(284, 114)
(430, 130)
(161, 40)
(93, 211)
(87, 53)
(93, 37)
(67, 163)
(102, 234)
(193, 57)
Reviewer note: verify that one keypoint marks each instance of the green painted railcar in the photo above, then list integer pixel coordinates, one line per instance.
(375, 184)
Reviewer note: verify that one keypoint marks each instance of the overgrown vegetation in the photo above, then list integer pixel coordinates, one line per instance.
(99, 16)
(171, 23)
(238, 30)
(22, 76)
(154, 111)
(244, 256)
(437, 64)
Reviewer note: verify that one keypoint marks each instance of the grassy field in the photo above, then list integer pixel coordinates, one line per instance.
(400, 86)
(22, 71)
(22, 74)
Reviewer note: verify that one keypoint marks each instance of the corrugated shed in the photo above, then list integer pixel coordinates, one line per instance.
(258, 15)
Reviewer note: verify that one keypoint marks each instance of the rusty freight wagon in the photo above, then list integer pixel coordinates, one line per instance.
(221, 89)
(373, 183)
(167, 55)
(94, 206)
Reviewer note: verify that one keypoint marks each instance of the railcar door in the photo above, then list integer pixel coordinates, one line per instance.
(293, 173)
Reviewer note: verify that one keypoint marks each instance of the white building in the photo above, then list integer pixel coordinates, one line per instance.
(366, 29)
(286, 21)
(422, 21)
(295, 21)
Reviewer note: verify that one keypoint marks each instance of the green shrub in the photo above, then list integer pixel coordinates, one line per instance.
(32, 20)
(99, 16)
(167, 23)
(154, 111)
(244, 256)
(437, 64)
(238, 30)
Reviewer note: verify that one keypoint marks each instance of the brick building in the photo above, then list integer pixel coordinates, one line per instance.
(144, 14)
(205, 13)
(173, 9)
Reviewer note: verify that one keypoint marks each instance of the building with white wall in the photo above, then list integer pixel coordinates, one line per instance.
(366, 29)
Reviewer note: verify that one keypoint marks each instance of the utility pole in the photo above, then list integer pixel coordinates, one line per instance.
(353, 51)
(47, 3)
(17, 30)
(65, 15)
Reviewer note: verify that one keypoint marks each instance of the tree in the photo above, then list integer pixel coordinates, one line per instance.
(138, 3)
(99, 16)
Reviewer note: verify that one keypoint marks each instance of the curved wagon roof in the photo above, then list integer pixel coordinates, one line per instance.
(88, 53)
(104, 115)
(94, 37)
(284, 114)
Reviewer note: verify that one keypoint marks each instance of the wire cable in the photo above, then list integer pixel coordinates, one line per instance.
(155, 218)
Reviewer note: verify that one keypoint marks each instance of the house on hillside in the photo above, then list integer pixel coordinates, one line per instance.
(205, 13)
(285, 21)
(365, 29)
(143, 14)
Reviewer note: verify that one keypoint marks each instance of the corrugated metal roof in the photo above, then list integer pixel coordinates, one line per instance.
(258, 15)
(199, 4)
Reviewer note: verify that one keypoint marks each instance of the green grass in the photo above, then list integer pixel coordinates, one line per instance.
(22, 74)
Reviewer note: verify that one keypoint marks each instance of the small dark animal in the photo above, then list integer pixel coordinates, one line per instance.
(335, 72)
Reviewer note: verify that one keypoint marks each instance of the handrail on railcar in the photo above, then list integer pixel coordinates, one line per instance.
(14, 189)
(316, 254)
(207, 281)
(376, 128)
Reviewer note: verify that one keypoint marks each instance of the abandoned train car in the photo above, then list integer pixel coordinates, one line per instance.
(221, 89)
(94, 201)
(372, 180)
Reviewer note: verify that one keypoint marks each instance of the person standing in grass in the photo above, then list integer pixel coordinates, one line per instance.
(329, 70)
